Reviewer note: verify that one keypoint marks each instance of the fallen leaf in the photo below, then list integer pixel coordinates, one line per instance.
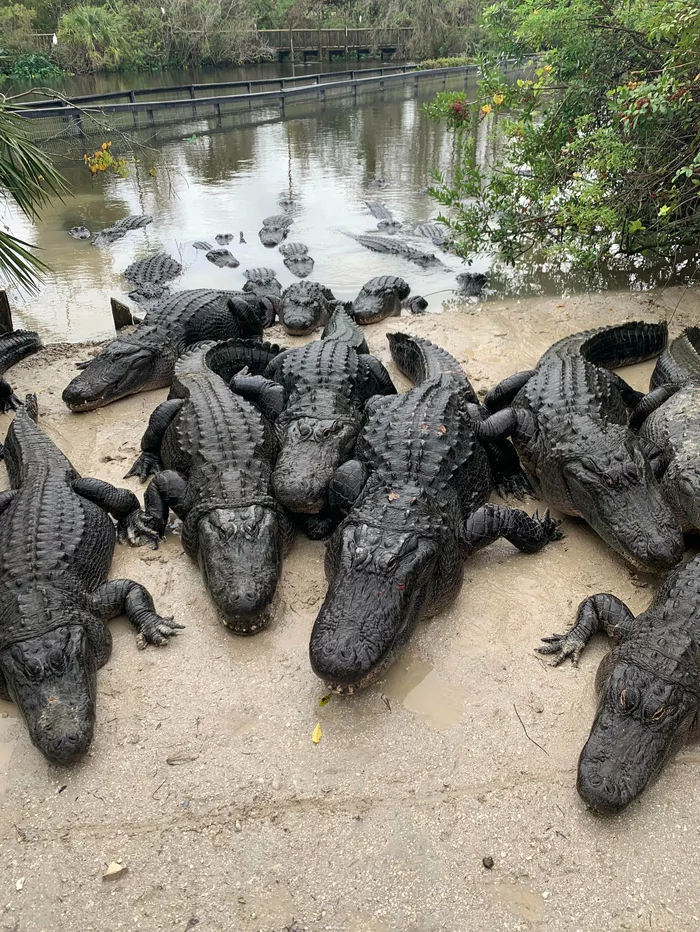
(561, 305)
(325, 700)
(317, 733)
(114, 871)
(393, 496)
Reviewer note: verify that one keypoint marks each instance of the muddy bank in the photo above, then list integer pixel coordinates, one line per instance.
(204, 780)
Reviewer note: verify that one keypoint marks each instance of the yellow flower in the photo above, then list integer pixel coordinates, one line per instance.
(547, 69)
(498, 98)
(486, 109)
(104, 147)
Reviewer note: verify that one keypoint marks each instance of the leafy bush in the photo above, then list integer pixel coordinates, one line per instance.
(16, 25)
(452, 61)
(599, 145)
(91, 38)
(33, 66)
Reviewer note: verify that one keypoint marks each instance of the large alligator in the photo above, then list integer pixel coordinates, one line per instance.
(151, 277)
(380, 297)
(305, 307)
(145, 358)
(119, 229)
(315, 394)
(568, 421)
(396, 247)
(680, 361)
(14, 347)
(414, 497)
(297, 259)
(213, 453)
(56, 547)
(648, 686)
(275, 229)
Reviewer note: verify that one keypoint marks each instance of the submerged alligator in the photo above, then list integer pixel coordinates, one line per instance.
(315, 394)
(213, 453)
(297, 259)
(119, 229)
(414, 498)
(380, 297)
(56, 547)
(14, 347)
(395, 247)
(145, 359)
(568, 421)
(151, 277)
(223, 258)
(305, 307)
(648, 686)
(275, 229)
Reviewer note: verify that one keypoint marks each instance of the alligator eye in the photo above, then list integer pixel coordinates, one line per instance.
(33, 668)
(659, 714)
(327, 432)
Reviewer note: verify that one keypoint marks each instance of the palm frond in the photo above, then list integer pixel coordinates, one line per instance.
(18, 264)
(26, 173)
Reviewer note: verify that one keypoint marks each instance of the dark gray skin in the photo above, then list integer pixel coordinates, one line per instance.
(568, 421)
(680, 361)
(379, 298)
(275, 229)
(145, 358)
(414, 498)
(342, 326)
(315, 395)
(648, 687)
(14, 347)
(306, 306)
(54, 594)
(213, 455)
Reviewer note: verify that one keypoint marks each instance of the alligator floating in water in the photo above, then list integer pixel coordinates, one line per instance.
(223, 239)
(223, 258)
(648, 686)
(56, 547)
(342, 326)
(568, 420)
(151, 277)
(213, 453)
(379, 298)
(79, 233)
(145, 358)
(315, 394)
(275, 229)
(297, 259)
(471, 284)
(386, 224)
(395, 247)
(121, 228)
(414, 498)
(435, 232)
(680, 361)
(14, 347)
(305, 307)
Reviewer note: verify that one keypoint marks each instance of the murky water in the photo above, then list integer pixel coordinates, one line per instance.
(199, 179)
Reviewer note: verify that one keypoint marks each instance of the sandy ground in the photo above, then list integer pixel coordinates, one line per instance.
(204, 781)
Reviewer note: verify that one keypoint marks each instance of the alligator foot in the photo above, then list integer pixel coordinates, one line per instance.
(148, 464)
(563, 646)
(515, 485)
(604, 611)
(156, 629)
(319, 526)
(527, 533)
(11, 403)
(138, 530)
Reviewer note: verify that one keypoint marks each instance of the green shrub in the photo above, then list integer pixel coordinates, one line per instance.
(452, 61)
(33, 66)
(91, 38)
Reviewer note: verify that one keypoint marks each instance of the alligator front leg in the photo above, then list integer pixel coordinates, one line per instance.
(119, 503)
(651, 402)
(630, 396)
(502, 395)
(597, 611)
(378, 379)
(6, 499)
(527, 533)
(167, 490)
(8, 400)
(265, 394)
(126, 597)
(346, 486)
(149, 461)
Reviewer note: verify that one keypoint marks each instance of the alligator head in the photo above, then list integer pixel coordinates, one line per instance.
(240, 556)
(641, 721)
(382, 578)
(302, 314)
(315, 439)
(124, 367)
(52, 679)
(615, 491)
(369, 307)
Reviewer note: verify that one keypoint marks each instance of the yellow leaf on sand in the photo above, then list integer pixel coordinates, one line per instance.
(317, 733)
(325, 700)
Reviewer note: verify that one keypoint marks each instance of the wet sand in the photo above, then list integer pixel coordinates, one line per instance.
(203, 778)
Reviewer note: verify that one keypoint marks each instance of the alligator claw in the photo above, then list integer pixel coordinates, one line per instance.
(148, 464)
(156, 630)
(138, 530)
(562, 646)
(83, 365)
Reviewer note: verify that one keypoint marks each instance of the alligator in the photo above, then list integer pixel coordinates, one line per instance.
(648, 686)
(386, 224)
(315, 394)
(56, 546)
(414, 499)
(201, 245)
(146, 357)
(121, 228)
(395, 247)
(14, 347)
(680, 361)
(568, 419)
(416, 304)
(297, 259)
(79, 233)
(223, 258)
(213, 455)
(223, 239)
(435, 232)
(378, 183)
(471, 284)
(275, 229)
(262, 283)
(305, 306)
(342, 326)
(379, 298)
(151, 277)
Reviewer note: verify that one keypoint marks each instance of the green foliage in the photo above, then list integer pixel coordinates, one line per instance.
(28, 177)
(451, 61)
(91, 38)
(34, 66)
(598, 146)
(16, 27)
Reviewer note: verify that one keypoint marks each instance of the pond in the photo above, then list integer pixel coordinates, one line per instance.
(198, 180)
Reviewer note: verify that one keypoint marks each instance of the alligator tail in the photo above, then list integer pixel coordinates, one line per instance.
(420, 360)
(227, 358)
(16, 346)
(31, 407)
(680, 361)
(610, 347)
